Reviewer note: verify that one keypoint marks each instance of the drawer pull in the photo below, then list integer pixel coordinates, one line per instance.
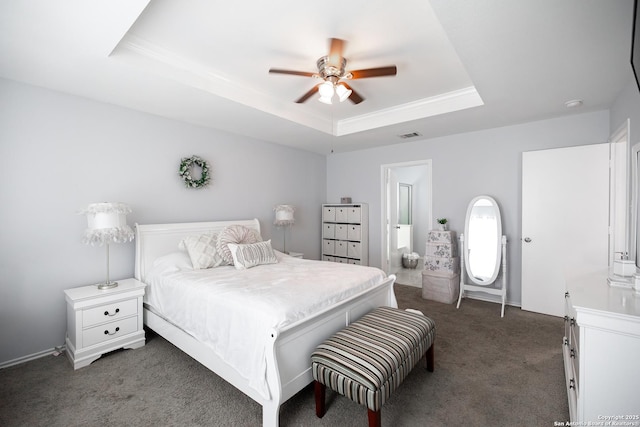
(106, 313)
(106, 332)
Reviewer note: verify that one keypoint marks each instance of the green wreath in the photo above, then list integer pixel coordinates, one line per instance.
(185, 172)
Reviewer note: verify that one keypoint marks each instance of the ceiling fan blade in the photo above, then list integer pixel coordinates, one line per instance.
(391, 70)
(309, 94)
(336, 48)
(354, 97)
(295, 73)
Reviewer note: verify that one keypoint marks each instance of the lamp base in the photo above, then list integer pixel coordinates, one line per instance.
(107, 285)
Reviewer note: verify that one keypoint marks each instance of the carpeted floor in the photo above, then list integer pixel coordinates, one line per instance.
(489, 371)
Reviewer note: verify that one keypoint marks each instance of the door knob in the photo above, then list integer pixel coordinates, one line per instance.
(527, 239)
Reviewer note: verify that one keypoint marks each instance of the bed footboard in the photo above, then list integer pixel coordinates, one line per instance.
(289, 351)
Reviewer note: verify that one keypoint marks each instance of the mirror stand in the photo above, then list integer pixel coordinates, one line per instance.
(500, 291)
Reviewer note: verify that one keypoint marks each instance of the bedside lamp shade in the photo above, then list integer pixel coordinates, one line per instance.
(107, 223)
(284, 218)
(284, 215)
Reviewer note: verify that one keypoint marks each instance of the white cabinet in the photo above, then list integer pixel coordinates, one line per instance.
(601, 345)
(99, 321)
(345, 233)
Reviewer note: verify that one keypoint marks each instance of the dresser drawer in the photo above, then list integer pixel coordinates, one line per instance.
(353, 232)
(354, 214)
(329, 231)
(109, 331)
(329, 214)
(109, 312)
(354, 250)
(341, 248)
(341, 214)
(341, 231)
(574, 353)
(328, 247)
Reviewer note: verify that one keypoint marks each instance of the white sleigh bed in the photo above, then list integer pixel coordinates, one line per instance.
(287, 349)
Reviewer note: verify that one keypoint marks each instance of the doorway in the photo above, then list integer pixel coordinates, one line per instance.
(406, 216)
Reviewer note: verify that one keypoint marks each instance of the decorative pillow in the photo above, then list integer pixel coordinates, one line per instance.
(252, 254)
(202, 250)
(237, 234)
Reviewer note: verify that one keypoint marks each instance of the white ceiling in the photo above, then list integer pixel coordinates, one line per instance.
(463, 65)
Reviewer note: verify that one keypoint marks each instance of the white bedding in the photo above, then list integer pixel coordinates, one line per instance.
(232, 311)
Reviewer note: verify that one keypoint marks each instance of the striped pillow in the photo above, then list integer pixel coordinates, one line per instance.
(252, 254)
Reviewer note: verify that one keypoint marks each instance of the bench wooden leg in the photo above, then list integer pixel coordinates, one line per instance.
(320, 390)
(430, 358)
(374, 418)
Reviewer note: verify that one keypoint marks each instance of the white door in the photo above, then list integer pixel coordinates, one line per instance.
(565, 210)
(404, 234)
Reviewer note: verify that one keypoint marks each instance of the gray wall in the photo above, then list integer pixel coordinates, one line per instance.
(627, 105)
(464, 165)
(59, 153)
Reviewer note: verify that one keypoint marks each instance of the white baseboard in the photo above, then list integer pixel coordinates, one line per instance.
(34, 356)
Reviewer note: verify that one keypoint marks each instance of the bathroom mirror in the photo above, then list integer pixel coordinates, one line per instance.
(404, 203)
(483, 249)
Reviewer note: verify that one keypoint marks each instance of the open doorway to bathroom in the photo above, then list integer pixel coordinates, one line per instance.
(406, 218)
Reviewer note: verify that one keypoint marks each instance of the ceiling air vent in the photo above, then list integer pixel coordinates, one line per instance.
(409, 135)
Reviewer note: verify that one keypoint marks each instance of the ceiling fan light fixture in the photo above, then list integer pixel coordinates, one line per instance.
(326, 90)
(342, 92)
(332, 69)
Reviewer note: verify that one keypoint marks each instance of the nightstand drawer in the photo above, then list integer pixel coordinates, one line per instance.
(110, 331)
(109, 312)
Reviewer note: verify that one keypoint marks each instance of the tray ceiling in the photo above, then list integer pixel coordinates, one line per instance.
(462, 65)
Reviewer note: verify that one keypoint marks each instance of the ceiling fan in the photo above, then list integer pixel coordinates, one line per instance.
(332, 70)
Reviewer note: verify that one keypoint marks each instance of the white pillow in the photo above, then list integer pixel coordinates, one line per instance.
(175, 261)
(252, 254)
(236, 234)
(202, 250)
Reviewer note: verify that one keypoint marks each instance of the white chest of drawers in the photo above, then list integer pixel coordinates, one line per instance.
(345, 233)
(99, 321)
(602, 352)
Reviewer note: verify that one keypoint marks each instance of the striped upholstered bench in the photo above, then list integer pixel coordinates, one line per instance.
(370, 358)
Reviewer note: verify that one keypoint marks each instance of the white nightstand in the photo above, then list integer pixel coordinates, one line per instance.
(296, 254)
(99, 321)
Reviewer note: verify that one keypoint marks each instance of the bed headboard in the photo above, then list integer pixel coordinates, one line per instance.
(154, 240)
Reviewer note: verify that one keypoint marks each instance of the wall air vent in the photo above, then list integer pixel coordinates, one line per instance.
(409, 135)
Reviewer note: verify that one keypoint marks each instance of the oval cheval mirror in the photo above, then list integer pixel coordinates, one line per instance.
(483, 250)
